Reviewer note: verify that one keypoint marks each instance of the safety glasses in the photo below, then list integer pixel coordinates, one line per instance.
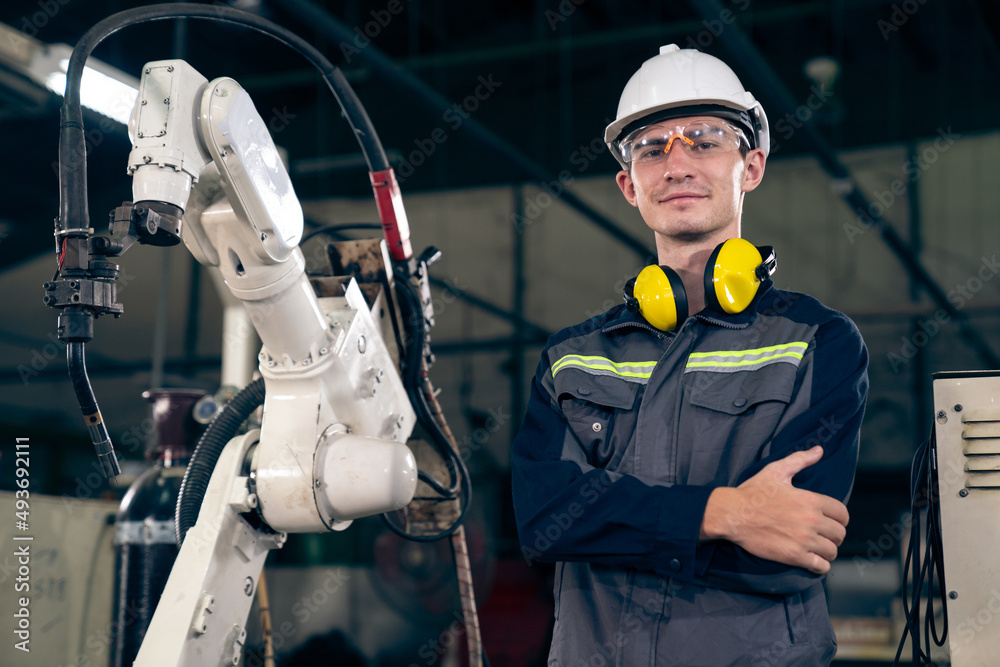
(701, 139)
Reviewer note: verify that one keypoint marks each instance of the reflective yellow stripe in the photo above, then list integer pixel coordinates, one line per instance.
(735, 359)
(748, 362)
(802, 345)
(604, 366)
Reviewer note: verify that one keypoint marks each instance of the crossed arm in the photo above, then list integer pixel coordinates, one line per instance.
(764, 533)
(772, 519)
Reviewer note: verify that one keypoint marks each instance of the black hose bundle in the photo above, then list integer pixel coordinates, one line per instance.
(199, 472)
(421, 394)
(74, 217)
(925, 568)
(72, 146)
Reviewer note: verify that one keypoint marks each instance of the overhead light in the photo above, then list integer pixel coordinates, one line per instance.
(98, 91)
(823, 71)
(104, 89)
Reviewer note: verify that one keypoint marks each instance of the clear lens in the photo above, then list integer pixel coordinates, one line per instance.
(701, 140)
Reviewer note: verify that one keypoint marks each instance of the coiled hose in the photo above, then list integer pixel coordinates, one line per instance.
(199, 471)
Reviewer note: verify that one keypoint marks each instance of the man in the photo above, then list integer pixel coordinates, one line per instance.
(688, 478)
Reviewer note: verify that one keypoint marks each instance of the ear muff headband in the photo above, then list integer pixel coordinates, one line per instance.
(770, 263)
(734, 273)
(659, 294)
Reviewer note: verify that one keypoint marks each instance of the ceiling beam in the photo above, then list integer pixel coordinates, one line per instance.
(663, 32)
(329, 27)
(769, 84)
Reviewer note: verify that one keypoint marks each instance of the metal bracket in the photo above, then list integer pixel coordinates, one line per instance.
(205, 606)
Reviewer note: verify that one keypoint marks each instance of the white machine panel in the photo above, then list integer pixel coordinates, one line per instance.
(967, 415)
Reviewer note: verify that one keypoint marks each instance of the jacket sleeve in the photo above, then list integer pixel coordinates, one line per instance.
(568, 510)
(827, 410)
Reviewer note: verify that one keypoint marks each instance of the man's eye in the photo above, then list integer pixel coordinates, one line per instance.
(703, 138)
(650, 152)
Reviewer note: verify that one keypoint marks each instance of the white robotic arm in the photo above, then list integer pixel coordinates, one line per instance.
(182, 122)
(336, 414)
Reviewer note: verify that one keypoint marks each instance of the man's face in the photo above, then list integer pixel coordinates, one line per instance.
(687, 190)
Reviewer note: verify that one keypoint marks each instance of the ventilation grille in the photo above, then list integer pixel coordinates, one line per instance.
(981, 446)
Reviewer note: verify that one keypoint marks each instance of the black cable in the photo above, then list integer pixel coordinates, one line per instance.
(444, 493)
(206, 455)
(911, 608)
(923, 571)
(73, 223)
(414, 383)
(413, 380)
(465, 498)
(73, 211)
(416, 333)
(935, 558)
(340, 228)
(72, 145)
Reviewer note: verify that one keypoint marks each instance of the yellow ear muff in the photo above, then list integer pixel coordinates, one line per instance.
(733, 274)
(661, 297)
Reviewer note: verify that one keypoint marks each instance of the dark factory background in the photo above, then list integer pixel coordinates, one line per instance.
(489, 111)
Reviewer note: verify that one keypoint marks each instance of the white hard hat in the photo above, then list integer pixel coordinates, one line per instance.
(686, 82)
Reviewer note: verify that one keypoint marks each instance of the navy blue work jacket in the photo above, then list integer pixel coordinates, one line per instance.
(628, 431)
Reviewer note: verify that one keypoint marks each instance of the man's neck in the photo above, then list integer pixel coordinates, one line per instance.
(688, 259)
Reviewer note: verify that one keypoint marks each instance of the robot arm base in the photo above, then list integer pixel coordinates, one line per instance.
(212, 583)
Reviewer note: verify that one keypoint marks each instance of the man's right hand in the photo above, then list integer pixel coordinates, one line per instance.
(772, 519)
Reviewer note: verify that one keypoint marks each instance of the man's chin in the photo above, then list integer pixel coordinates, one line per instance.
(691, 237)
(688, 232)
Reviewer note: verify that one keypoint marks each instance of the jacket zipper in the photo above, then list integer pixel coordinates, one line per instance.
(672, 454)
(722, 323)
(638, 325)
(676, 421)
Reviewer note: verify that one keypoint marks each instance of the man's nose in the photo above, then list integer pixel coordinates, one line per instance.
(677, 163)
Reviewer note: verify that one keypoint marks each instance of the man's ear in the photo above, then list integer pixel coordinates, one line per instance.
(754, 171)
(625, 184)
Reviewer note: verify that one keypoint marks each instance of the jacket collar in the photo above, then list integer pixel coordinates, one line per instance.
(625, 319)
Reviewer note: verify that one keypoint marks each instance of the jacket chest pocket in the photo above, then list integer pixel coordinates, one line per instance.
(596, 409)
(729, 418)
